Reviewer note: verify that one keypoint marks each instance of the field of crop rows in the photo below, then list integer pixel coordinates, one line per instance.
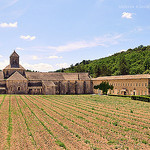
(73, 122)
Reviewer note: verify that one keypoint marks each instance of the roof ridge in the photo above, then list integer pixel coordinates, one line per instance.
(16, 76)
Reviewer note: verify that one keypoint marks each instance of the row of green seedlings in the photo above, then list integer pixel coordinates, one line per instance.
(91, 106)
(27, 126)
(9, 124)
(111, 115)
(116, 124)
(2, 101)
(125, 112)
(114, 141)
(126, 129)
(60, 123)
(57, 141)
(84, 126)
(71, 120)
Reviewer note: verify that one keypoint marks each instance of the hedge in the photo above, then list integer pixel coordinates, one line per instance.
(135, 97)
(141, 98)
(120, 95)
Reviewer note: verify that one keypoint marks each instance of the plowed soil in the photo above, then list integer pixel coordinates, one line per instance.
(75, 122)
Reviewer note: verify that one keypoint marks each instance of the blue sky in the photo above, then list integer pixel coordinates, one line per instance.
(52, 34)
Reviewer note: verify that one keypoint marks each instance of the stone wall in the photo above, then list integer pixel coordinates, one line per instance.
(17, 87)
(126, 86)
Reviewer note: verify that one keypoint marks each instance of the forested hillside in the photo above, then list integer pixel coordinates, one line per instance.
(132, 61)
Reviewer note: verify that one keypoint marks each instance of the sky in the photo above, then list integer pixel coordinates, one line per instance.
(53, 34)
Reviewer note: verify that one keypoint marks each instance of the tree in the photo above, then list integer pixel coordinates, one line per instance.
(97, 70)
(104, 86)
(123, 66)
(147, 64)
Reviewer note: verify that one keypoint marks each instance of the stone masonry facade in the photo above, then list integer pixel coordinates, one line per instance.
(14, 79)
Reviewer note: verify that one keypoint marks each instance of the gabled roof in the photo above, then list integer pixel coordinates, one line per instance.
(53, 76)
(1, 75)
(16, 76)
(14, 54)
(138, 76)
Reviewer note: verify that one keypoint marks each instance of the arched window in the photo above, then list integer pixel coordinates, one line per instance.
(19, 88)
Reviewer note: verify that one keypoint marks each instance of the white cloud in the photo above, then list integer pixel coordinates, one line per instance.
(99, 41)
(1, 56)
(35, 57)
(39, 67)
(127, 15)
(19, 48)
(3, 64)
(28, 37)
(62, 65)
(9, 25)
(55, 57)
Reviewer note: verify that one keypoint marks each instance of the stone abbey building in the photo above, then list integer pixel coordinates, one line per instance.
(14, 79)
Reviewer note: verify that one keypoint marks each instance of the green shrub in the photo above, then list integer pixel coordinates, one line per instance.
(87, 141)
(141, 98)
(61, 144)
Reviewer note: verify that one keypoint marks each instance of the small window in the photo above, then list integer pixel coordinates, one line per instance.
(142, 84)
(139, 84)
(136, 84)
(19, 88)
(131, 84)
(145, 84)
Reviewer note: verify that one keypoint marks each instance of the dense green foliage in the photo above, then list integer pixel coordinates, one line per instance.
(104, 86)
(134, 61)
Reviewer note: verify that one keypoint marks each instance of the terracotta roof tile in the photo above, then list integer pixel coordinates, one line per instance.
(138, 76)
(56, 76)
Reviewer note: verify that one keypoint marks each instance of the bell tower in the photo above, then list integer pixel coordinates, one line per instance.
(14, 60)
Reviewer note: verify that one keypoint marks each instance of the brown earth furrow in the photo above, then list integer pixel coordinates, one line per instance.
(124, 133)
(20, 135)
(109, 109)
(80, 129)
(124, 123)
(101, 106)
(42, 138)
(64, 135)
(4, 115)
(101, 112)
